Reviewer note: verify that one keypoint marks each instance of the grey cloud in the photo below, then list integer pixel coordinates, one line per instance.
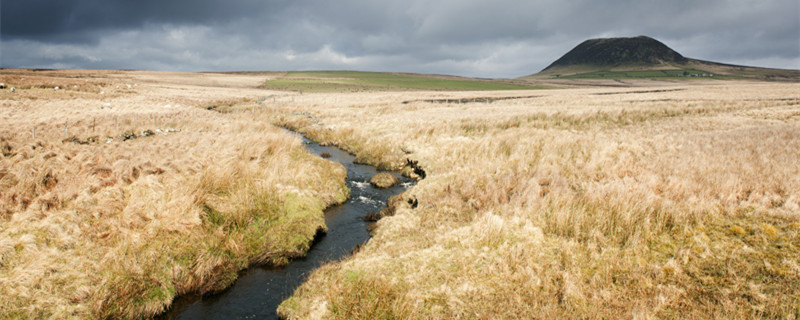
(54, 19)
(464, 37)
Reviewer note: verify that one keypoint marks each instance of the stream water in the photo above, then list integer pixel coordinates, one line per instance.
(259, 290)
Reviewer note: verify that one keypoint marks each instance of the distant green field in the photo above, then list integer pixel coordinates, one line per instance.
(353, 81)
(644, 74)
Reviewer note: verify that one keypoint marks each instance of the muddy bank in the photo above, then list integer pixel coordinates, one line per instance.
(259, 290)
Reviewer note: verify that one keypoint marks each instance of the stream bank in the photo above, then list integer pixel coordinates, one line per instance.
(258, 291)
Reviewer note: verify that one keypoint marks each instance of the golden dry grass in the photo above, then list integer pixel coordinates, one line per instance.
(98, 228)
(661, 201)
(681, 201)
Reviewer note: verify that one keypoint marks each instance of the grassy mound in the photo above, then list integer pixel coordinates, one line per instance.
(384, 180)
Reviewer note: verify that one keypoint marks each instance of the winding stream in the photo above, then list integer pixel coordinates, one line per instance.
(258, 291)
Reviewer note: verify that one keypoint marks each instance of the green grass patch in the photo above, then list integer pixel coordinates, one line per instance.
(355, 81)
(648, 74)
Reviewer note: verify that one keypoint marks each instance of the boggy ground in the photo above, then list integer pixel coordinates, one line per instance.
(147, 194)
(681, 201)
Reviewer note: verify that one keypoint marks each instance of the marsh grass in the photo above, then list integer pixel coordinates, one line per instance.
(677, 201)
(681, 202)
(98, 228)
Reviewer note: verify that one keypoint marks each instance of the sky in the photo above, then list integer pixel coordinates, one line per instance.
(492, 39)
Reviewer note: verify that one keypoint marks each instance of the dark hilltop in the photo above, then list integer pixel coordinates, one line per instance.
(645, 57)
(641, 50)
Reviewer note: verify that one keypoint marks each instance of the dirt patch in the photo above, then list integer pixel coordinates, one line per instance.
(413, 170)
(6, 149)
(641, 91)
(76, 140)
(470, 100)
(391, 207)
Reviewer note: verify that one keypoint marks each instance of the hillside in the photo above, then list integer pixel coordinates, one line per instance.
(612, 52)
(645, 57)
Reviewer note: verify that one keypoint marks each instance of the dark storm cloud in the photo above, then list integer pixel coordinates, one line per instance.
(464, 37)
(59, 20)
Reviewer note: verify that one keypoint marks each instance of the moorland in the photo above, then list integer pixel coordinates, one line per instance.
(597, 198)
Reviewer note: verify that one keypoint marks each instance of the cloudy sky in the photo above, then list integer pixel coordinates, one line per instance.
(498, 38)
